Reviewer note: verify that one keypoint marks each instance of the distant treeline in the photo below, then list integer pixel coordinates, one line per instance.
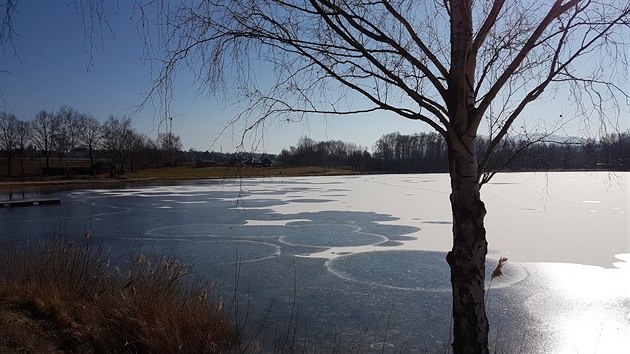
(68, 142)
(427, 152)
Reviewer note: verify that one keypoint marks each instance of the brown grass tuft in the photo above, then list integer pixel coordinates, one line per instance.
(498, 271)
(63, 296)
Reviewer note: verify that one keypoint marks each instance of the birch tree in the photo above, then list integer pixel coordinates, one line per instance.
(453, 65)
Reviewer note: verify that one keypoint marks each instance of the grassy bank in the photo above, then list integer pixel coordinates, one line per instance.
(166, 175)
(62, 296)
(234, 172)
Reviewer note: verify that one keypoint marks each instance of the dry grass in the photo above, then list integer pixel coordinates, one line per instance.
(498, 271)
(234, 172)
(62, 296)
(164, 174)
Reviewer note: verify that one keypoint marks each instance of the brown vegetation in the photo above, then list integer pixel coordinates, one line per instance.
(236, 172)
(63, 296)
(167, 174)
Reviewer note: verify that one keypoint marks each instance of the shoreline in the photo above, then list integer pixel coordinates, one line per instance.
(164, 176)
(177, 174)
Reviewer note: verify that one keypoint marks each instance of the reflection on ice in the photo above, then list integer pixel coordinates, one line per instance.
(585, 307)
(592, 330)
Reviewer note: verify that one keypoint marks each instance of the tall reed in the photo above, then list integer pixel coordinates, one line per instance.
(151, 306)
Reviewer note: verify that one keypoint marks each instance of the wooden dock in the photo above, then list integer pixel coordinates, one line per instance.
(28, 202)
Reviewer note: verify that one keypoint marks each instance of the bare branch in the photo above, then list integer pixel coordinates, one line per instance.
(556, 10)
(586, 46)
(417, 40)
(7, 31)
(490, 21)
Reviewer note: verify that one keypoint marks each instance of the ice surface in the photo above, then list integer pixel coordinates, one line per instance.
(411, 270)
(358, 246)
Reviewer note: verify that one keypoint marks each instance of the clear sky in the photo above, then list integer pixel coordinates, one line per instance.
(52, 68)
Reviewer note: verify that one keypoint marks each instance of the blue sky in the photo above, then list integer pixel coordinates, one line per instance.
(52, 69)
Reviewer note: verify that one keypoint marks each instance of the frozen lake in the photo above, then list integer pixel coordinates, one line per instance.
(352, 251)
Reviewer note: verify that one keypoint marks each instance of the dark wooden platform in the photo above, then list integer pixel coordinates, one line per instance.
(28, 202)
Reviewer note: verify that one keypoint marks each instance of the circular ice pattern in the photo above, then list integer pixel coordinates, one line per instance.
(208, 253)
(411, 270)
(216, 230)
(226, 252)
(329, 235)
(404, 270)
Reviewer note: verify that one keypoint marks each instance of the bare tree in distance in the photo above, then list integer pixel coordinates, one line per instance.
(90, 135)
(66, 138)
(22, 138)
(170, 145)
(454, 65)
(137, 146)
(8, 134)
(43, 129)
(119, 140)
